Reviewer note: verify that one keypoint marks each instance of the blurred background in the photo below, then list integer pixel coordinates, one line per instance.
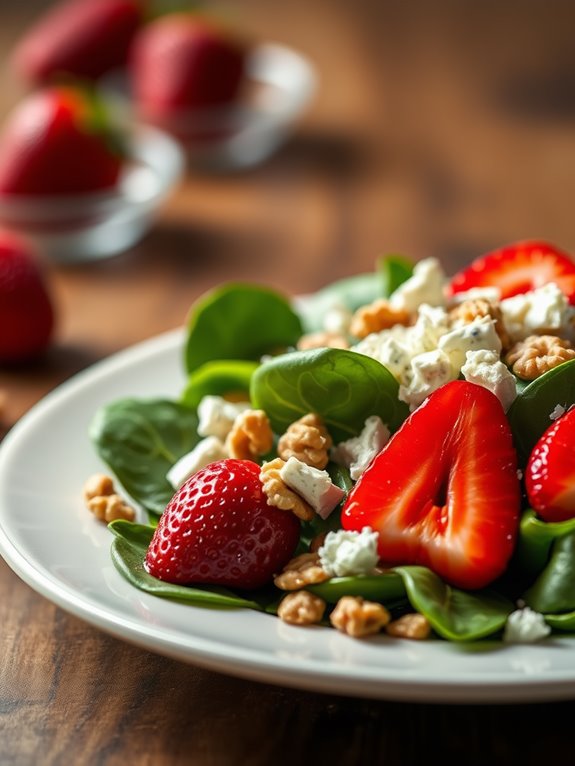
(438, 128)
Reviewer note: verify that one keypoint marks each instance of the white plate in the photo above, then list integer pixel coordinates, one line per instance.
(60, 550)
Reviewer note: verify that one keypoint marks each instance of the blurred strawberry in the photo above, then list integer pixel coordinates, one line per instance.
(26, 314)
(58, 141)
(82, 38)
(182, 62)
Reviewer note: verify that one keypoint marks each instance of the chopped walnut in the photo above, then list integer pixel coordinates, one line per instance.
(322, 340)
(476, 308)
(377, 316)
(301, 608)
(98, 485)
(279, 494)
(538, 354)
(308, 440)
(303, 570)
(251, 436)
(414, 626)
(357, 618)
(110, 508)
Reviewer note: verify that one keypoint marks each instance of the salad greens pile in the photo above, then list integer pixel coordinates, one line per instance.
(253, 357)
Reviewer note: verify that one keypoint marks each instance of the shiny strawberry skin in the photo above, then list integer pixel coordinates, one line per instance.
(82, 38)
(182, 62)
(519, 268)
(48, 146)
(444, 491)
(218, 529)
(26, 311)
(550, 471)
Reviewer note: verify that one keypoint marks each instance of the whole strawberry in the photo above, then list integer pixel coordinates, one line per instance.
(58, 141)
(219, 529)
(550, 471)
(26, 314)
(82, 38)
(181, 62)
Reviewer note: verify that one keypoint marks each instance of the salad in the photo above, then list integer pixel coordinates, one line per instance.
(395, 453)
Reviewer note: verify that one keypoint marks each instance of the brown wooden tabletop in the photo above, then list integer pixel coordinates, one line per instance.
(440, 129)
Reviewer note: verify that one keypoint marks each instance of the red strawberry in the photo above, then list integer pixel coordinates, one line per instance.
(219, 529)
(57, 142)
(519, 268)
(26, 315)
(444, 491)
(181, 62)
(82, 38)
(550, 472)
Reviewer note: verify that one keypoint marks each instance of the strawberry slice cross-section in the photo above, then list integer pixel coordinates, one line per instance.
(444, 492)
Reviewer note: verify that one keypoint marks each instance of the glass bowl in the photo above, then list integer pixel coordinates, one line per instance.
(279, 85)
(85, 227)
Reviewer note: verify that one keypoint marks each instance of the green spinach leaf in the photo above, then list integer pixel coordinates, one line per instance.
(554, 589)
(385, 588)
(393, 270)
(536, 538)
(219, 378)
(239, 321)
(341, 386)
(140, 440)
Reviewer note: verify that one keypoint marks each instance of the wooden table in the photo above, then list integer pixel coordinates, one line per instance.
(440, 129)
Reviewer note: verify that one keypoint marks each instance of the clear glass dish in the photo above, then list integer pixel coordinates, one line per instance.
(87, 227)
(280, 83)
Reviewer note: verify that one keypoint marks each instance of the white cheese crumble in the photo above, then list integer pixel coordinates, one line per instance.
(358, 452)
(486, 369)
(349, 553)
(544, 310)
(429, 371)
(205, 452)
(337, 319)
(525, 626)
(487, 293)
(217, 415)
(474, 336)
(426, 285)
(557, 411)
(313, 485)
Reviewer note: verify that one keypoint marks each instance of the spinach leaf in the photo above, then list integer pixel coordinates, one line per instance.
(529, 413)
(140, 440)
(561, 621)
(341, 386)
(393, 270)
(536, 538)
(239, 321)
(554, 589)
(219, 378)
(385, 588)
(129, 548)
(454, 614)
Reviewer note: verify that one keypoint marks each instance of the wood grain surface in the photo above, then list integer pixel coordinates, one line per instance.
(440, 128)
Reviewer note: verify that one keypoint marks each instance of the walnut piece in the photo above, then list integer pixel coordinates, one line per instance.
(98, 485)
(377, 316)
(308, 440)
(303, 570)
(357, 618)
(317, 542)
(301, 608)
(476, 308)
(251, 436)
(322, 340)
(538, 354)
(414, 626)
(101, 498)
(279, 494)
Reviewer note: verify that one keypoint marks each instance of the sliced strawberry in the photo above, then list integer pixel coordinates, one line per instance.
(58, 141)
(444, 491)
(82, 38)
(550, 471)
(219, 529)
(519, 268)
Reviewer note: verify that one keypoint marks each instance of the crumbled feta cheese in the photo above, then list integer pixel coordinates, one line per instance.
(545, 309)
(486, 369)
(477, 335)
(205, 452)
(524, 626)
(349, 553)
(337, 319)
(358, 452)
(432, 323)
(428, 372)
(557, 411)
(315, 486)
(426, 285)
(388, 347)
(217, 415)
(487, 293)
